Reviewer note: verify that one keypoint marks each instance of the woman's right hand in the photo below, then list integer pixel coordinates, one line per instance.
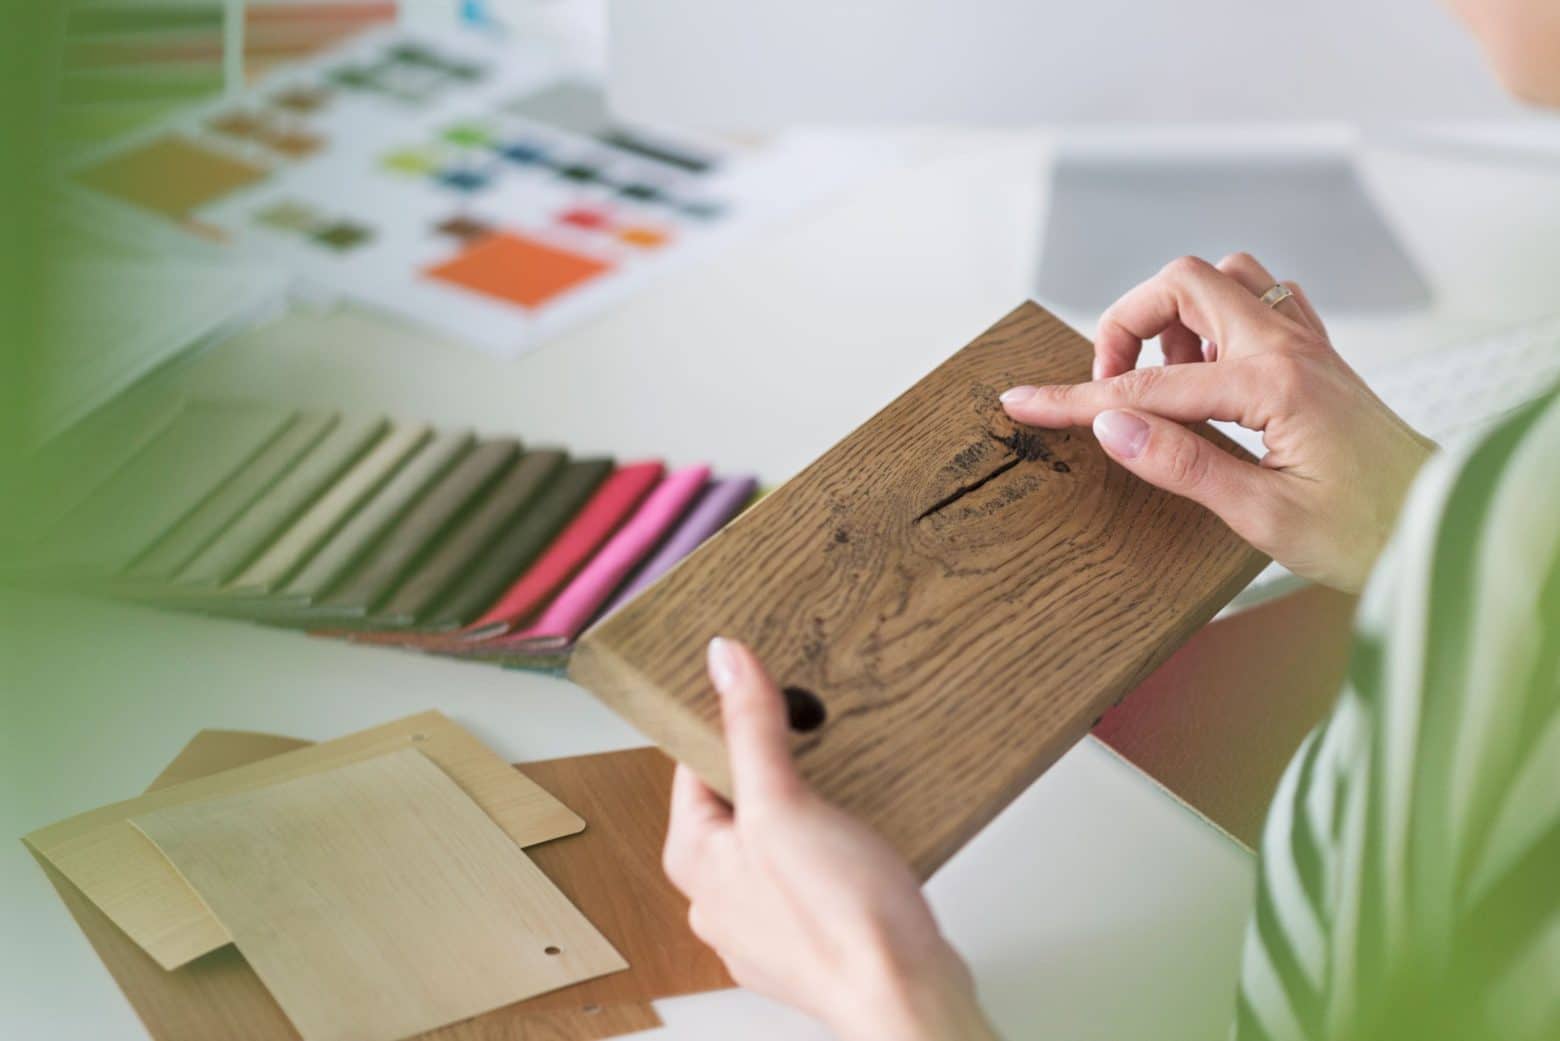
(1339, 462)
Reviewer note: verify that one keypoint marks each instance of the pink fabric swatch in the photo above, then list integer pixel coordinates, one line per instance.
(567, 614)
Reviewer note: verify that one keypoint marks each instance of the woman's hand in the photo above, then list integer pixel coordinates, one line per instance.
(802, 902)
(1339, 462)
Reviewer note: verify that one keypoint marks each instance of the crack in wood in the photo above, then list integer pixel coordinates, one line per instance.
(1026, 446)
(966, 489)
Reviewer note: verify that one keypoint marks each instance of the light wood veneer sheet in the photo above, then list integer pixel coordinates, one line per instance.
(377, 901)
(125, 875)
(219, 997)
(611, 871)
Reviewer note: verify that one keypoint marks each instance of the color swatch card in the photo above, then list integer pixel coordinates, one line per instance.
(130, 64)
(362, 526)
(478, 186)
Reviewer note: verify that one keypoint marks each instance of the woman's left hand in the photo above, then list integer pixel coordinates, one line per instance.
(802, 902)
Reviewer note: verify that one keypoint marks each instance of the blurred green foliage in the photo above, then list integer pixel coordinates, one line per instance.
(28, 57)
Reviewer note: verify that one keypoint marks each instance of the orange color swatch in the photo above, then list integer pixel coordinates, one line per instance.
(172, 176)
(644, 237)
(518, 270)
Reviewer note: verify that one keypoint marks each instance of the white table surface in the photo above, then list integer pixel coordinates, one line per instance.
(1094, 907)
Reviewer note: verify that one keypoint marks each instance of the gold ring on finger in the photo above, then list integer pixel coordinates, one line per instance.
(1277, 295)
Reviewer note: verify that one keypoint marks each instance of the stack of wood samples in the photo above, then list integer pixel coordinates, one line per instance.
(609, 872)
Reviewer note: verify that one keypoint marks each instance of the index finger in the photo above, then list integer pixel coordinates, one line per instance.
(1189, 292)
(1191, 393)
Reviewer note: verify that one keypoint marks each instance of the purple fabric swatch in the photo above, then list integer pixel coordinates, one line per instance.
(720, 502)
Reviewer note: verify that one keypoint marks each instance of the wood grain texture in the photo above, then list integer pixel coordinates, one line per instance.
(376, 900)
(611, 871)
(219, 998)
(213, 751)
(965, 597)
(125, 875)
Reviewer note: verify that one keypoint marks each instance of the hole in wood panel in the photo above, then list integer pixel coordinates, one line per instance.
(551, 950)
(804, 709)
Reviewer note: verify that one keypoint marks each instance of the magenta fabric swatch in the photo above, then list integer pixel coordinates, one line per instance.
(577, 603)
(720, 502)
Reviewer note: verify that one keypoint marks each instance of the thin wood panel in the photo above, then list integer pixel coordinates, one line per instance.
(376, 900)
(219, 998)
(213, 751)
(612, 872)
(123, 874)
(964, 596)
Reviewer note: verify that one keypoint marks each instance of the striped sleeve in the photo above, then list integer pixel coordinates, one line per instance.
(1409, 884)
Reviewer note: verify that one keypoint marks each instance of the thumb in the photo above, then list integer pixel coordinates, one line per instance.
(1167, 454)
(758, 736)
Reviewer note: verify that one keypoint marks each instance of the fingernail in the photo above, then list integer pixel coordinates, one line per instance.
(1017, 394)
(723, 664)
(1122, 433)
(1099, 368)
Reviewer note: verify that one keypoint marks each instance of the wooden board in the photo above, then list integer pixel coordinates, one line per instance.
(963, 596)
(219, 998)
(123, 874)
(376, 900)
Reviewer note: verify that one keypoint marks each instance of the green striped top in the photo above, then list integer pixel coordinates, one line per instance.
(1409, 885)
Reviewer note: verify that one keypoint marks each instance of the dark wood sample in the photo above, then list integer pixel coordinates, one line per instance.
(955, 598)
(612, 872)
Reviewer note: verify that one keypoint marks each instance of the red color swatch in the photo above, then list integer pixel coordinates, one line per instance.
(616, 500)
(518, 270)
(590, 220)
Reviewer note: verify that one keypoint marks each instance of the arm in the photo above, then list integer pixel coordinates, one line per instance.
(803, 903)
(810, 907)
